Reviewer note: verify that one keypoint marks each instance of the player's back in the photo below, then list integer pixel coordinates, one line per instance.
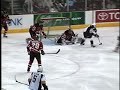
(35, 81)
(90, 29)
(36, 45)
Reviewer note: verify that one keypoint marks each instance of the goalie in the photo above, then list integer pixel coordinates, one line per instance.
(66, 38)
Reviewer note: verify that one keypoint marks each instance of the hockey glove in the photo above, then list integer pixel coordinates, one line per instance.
(45, 87)
(29, 80)
(45, 36)
(42, 52)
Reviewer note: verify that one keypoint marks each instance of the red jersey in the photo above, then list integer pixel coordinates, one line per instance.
(34, 46)
(4, 20)
(39, 29)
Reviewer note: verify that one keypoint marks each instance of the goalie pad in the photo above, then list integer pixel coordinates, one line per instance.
(62, 41)
(58, 40)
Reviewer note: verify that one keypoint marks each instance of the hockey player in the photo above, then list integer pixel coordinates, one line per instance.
(4, 21)
(37, 29)
(34, 48)
(117, 48)
(89, 33)
(67, 37)
(32, 31)
(37, 80)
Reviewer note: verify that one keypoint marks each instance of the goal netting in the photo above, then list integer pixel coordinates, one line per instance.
(55, 25)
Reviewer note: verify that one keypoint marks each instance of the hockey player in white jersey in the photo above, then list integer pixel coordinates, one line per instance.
(89, 33)
(37, 80)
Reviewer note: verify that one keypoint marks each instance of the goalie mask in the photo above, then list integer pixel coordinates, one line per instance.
(70, 31)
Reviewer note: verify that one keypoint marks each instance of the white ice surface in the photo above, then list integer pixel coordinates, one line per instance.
(75, 67)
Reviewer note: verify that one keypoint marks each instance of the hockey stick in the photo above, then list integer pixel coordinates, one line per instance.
(3, 89)
(55, 52)
(49, 53)
(20, 82)
(99, 41)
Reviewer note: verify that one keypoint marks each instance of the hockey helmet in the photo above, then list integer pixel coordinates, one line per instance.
(40, 69)
(33, 28)
(93, 25)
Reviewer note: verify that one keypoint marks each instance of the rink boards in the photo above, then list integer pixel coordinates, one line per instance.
(79, 20)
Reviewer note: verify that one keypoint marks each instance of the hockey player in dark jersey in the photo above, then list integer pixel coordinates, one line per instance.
(37, 28)
(89, 33)
(4, 21)
(67, 37)
(34, 49)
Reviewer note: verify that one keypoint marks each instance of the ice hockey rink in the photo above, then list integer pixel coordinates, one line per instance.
(75, 67)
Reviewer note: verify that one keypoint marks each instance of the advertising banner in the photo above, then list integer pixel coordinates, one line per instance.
(107, 16)
(76, 18)
(17, 22)
(20, 21)
(49, 21)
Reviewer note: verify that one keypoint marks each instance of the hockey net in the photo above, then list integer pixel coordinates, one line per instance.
(54, 26)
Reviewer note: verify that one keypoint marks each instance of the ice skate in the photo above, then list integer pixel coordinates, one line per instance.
(4, 35)
(93, 46)
(28, 69)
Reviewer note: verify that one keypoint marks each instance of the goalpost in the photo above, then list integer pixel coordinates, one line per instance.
(54, 24)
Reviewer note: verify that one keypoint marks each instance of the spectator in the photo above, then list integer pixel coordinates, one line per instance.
(71, 4)
(110, 5)
(52, 9)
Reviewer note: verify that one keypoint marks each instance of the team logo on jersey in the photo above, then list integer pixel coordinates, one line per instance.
(103, 16)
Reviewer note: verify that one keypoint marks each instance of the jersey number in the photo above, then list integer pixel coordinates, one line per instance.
(34, 78)
(35, 45)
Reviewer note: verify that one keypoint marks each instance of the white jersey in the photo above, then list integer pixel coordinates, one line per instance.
(90, 30)
(36, 78)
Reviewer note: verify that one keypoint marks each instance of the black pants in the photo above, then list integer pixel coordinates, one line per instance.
(87, 35)
(5, 27)
(34, 55)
